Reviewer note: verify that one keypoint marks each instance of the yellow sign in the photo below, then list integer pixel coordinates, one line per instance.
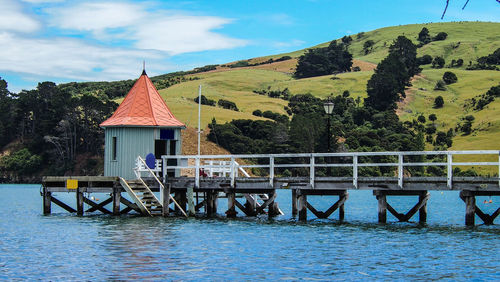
(72, 184)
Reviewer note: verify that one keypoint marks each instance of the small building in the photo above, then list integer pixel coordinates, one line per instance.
(142, 124)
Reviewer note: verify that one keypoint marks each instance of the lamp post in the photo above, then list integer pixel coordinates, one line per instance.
(328, 105)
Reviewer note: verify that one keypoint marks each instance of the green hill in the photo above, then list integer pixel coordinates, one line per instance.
(466, 41)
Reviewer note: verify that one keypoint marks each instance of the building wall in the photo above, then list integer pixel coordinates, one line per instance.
(130, 143)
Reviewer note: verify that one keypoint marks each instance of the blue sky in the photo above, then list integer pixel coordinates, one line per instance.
(61, 41)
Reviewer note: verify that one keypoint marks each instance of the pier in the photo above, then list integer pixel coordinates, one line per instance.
(188, 184)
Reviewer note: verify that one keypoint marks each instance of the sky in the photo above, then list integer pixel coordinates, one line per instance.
(63, 41)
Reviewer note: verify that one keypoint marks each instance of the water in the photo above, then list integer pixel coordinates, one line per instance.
(63, 246)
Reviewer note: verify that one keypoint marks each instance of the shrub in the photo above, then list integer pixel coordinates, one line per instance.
(440, 36)
(205, 101)
(421, 119)
(438, 102)
(368, 46)
(440, 85)
(432, 117)
(227, 105)
(424, 60)
(356, 68)
(449, 77)
(257, 113)
(438, 62)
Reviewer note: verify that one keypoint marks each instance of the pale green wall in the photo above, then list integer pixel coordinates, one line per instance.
(131, 142)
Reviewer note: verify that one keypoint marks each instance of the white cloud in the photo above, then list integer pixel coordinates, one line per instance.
(12, 18)
(162, 30)
(70, 58)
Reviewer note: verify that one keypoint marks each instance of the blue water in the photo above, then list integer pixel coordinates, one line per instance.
(63, 246)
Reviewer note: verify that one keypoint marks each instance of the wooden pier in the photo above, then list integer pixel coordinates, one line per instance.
(252, 195)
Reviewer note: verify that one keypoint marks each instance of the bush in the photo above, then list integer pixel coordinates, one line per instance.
(257, 113)
(424, 60)
(449, 77)
(438, 62)
(440, 36)
(440, 85)
(421, 119)
(227, 105)
(368, 46)
(205, 101)
(356, 68)
(432, 117)
(438, 102)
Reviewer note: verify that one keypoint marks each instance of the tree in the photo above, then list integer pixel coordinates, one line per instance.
(440, 85)
(440, 36)
(323, 61)
(421, 119)
(368, 46)
(424, 60)
(423, 36)
(257, 113)
(449, 77)
(432, 117)
(347, 40)
(438, 62)
(438, 102)
(392, 75)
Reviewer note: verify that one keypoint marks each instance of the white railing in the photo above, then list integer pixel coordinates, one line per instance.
(140, 167)
(322, 160)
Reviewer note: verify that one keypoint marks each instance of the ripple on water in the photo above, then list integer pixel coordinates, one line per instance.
(65, 247)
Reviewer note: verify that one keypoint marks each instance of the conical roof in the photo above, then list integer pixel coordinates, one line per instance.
(143, 106)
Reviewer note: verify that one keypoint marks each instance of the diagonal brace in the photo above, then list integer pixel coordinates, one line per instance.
(102, 204)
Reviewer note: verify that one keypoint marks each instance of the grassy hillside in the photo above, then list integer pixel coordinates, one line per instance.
(466, 40)
(474, 39)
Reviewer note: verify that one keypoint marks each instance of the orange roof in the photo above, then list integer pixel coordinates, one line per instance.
(143, 106)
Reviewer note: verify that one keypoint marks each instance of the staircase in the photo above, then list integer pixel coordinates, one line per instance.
(142, 196)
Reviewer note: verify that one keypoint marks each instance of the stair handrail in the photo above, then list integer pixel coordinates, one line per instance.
(137, 201)
(161, 186)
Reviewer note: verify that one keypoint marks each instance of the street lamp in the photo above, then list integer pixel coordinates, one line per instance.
(328, 105)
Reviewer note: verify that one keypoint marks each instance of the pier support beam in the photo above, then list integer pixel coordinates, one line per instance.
(384, 206)
(212, 197)
(469, 197)
(166, 200)
(79, 201)
(294, 203)
(116, 200)
(304, 205)
(302, 200)
(47, 201)
(231, 205)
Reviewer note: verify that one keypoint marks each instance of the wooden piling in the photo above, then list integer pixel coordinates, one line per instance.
(79, 201)
(46, 201)
(302, 199)
(166, 200)
(116, 200)
(231, 205)
(294, 202)
(382, 208)
(470, 210)
(422, 212)
(272, 210)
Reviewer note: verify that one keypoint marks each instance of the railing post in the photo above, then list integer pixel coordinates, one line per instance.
(400, 170)
(311, 171)
(499, 169)
(231, 173)
(449, 170)
(355, 171)
(271, 171)
(197, 172)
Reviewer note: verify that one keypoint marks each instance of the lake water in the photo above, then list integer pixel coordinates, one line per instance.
(62, 246)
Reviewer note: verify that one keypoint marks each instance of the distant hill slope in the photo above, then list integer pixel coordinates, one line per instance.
(466, 41)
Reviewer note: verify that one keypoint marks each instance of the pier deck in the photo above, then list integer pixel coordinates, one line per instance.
(260, 192)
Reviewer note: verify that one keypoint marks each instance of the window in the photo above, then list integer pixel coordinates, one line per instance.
(113, 149)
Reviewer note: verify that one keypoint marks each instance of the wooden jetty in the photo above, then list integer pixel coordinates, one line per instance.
(253, 195)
